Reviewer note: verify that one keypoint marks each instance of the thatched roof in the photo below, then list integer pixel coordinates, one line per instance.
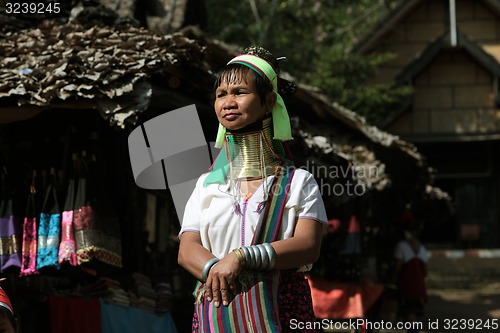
(55, 63)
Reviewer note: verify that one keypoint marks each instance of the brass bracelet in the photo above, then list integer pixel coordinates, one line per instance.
(239, 254)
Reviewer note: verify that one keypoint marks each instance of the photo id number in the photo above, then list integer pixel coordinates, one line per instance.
(32, 8)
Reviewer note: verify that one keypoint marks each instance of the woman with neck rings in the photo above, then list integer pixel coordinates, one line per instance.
(253, 213)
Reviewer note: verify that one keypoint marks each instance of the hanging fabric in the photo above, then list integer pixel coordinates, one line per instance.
(10, 236)
(49, 229)
(96, 226)
(67, 248)
(28, 265)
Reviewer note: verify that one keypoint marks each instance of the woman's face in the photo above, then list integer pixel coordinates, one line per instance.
(237, 103)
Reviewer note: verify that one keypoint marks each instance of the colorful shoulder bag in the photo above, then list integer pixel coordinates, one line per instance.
(28, 265)
(67, 247)
(49, 230)
(10, 237)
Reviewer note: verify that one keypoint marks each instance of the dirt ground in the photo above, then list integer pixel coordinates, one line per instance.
(467, 309)
(457, 304)
(461, 305)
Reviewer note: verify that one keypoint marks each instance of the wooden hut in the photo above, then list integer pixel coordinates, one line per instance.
(448, 52)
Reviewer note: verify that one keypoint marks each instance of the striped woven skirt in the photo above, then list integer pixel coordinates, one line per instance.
(294, 305)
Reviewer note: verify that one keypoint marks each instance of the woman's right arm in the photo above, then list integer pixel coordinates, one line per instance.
(221, 280)
(192, 255)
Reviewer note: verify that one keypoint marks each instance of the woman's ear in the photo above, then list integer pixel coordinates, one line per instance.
(271, 101)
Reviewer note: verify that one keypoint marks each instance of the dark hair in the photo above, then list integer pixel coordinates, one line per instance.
(285, 87)
(238, 72)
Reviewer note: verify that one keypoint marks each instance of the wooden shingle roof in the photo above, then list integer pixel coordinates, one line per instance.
(393, 18)
(434, 49)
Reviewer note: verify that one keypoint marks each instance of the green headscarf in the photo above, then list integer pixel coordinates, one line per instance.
(281, 121)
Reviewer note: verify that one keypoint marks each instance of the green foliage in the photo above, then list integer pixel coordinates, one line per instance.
(316, 37)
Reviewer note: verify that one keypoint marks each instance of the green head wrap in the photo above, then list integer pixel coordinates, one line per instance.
(281, 121)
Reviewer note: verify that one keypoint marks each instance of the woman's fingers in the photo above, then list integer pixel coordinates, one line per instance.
(225, 293)
(221, 294)
(216, 297)
(212, 289)
(208, 289)
(218, 291)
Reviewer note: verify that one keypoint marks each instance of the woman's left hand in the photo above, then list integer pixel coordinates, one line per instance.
(221, 284)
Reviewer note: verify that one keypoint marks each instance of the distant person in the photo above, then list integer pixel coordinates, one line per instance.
(411, 269)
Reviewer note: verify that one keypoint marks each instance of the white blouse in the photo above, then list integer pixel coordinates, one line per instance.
(404, 252)
(210, 211)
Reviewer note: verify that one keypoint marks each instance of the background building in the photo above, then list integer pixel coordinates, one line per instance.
(448, 51)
